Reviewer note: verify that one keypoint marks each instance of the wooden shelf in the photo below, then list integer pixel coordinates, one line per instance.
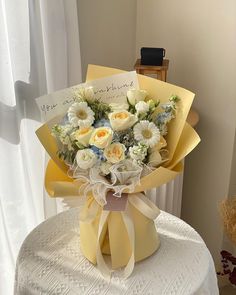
(160, 71)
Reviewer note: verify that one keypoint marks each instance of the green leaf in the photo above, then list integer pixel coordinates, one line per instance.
(79, 145)
(174, 98)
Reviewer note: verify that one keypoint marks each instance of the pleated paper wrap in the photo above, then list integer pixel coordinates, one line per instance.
(129, 235)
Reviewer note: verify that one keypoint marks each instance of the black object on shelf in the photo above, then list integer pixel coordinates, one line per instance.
(152, 56)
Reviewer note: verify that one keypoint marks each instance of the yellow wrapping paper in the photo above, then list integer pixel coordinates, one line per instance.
(127, 236)
(115, 239)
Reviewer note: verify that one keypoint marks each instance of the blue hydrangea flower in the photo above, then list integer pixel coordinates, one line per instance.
(161, 121)
(98, 152)
(163, 118)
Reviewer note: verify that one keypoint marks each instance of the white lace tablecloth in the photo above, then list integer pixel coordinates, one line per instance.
(50, 262)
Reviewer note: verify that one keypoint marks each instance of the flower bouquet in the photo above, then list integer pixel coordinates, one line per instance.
(109, 153)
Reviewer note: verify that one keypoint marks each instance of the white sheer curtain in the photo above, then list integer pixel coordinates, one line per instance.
(39, 53)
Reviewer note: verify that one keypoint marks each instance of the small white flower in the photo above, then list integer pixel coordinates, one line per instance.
(138, 153)
(86, 159)
(63, 133)
(66, 140)
(146, 132)
(79, 114)
(142, 107)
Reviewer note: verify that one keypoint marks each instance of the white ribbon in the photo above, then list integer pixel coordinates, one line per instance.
(127, 218)
(102, 266)
(144, 205)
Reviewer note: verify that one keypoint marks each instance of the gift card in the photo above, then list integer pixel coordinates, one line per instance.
(115, 203)
(107, 89)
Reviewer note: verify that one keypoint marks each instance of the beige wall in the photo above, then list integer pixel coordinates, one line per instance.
(232, 185)
(200, 39)
(107, 33)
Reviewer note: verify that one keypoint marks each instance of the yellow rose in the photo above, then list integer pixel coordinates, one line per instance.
(83, 135)
(122, 120)
(101, 137)
(115, 152)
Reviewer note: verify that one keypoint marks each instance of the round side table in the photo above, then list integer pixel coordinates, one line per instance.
(50, 262)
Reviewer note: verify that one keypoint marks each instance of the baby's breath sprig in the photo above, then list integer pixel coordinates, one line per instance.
(56, 130)
(138, 153)
(64, 134)
(125, 137)
(67, 156)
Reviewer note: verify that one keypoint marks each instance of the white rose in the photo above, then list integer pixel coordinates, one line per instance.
(142, 107)
(83, 135)
(135, 95)
(86, 159)
(118, 106)
(122, 120)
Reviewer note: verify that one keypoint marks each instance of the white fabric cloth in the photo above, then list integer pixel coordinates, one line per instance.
(39, 53)
(50, 262)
